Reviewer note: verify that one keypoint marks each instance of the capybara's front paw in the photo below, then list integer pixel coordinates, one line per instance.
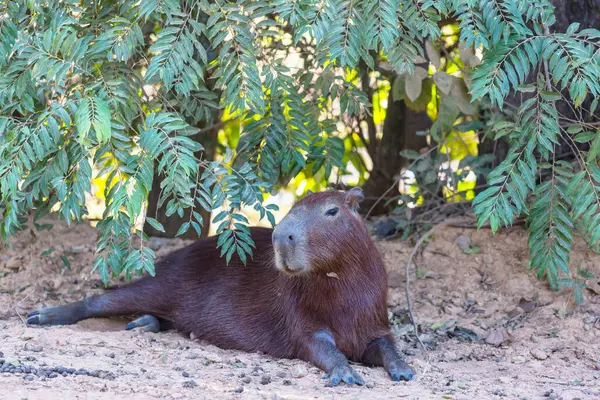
(399, 370)
(344, 373)
(60, 315)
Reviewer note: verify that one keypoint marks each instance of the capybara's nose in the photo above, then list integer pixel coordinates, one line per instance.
(284, 238)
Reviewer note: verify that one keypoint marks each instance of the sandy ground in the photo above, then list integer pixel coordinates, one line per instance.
(546, 348)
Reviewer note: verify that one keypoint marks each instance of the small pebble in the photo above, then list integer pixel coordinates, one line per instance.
(451, 356)
(287, 382)
(551, 394)
(192, 356)
(189, 384)
(29, 378)
(265, 380)
(463, 242)
(518, 360)
(237, 363)
(185, 374)
(13, 264)
(515, 312)
(33, 347)
(539, 354)
(238, 389)
(246, 379)
(257, 371)
(80, 248)
(299, 372)
(53, 375)
(281, 374)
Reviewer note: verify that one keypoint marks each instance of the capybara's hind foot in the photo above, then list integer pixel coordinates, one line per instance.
(146, 323)
(60, 315)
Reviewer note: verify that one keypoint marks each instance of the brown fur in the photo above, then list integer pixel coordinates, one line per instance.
(255, 307)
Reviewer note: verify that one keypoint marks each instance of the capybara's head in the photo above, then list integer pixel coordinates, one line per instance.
(322, 232)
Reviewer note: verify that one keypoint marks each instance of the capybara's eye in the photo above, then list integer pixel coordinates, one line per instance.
(332, 211)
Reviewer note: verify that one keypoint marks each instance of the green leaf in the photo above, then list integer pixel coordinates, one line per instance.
(66, 261)
(574, 129)
(83, 118)
(229, 254)
(443, 81)
(183, 228)
(155, 224)
(414, 83)
(578, 294)
(594, 149)
(46, 253)
(528, 88)
(433, 54)
(550, 96)
(241, 255)
(410, 154)
(101, 122)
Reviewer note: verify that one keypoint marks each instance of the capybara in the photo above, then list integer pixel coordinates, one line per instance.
(316, 289)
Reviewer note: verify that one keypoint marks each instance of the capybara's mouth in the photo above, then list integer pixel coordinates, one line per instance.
(286, 269)
(290, 271)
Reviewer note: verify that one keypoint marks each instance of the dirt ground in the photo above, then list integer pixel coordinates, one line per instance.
(481, 344)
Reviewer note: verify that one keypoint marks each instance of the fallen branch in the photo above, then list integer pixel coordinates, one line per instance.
(19, 303)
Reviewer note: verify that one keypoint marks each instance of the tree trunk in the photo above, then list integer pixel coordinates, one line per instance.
(399, 132)
(586, 12)
(173, 223)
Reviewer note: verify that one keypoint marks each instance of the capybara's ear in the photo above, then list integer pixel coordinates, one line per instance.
(353, 198)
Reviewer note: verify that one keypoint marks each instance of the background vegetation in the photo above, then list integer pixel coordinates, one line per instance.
(185, 111)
